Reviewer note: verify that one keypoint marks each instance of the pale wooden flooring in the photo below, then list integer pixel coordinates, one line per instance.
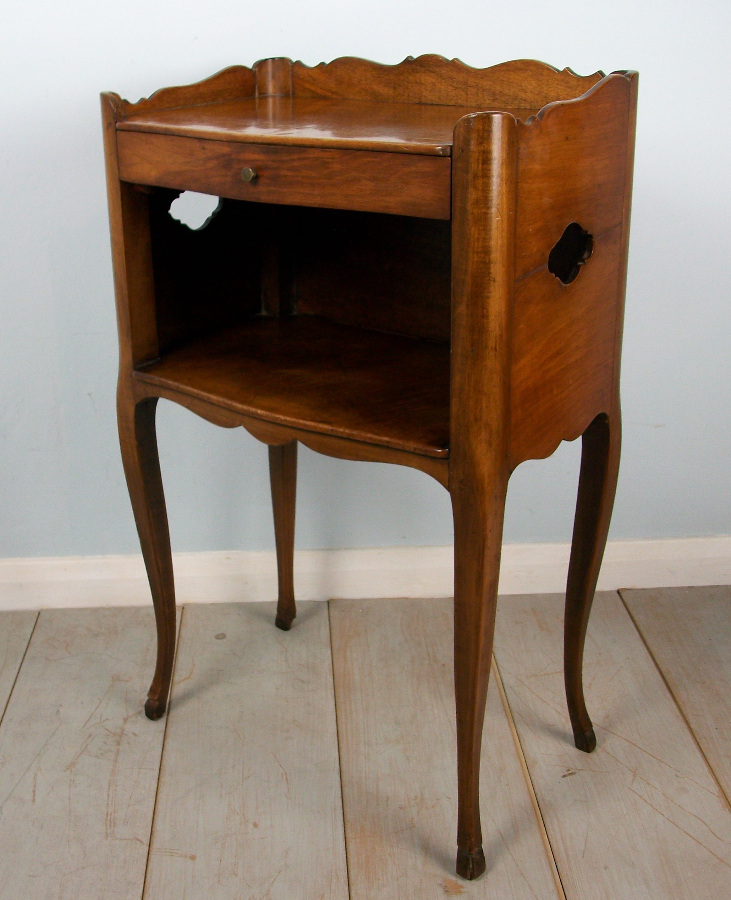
(320, 763)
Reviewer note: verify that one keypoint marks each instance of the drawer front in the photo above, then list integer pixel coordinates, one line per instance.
(400, 183)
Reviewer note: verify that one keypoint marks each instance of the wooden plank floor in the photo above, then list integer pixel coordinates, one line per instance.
(15, 633)
(249, 790)
(395, 698)
(687, 632)
(642, 817)
(249, 797)
(78, 760)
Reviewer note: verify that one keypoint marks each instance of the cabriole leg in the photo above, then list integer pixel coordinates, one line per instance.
(597, 485)
(478, 526)
(283, 477)
(138, 443)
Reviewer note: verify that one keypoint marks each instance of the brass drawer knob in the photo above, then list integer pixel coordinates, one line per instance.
(249, 174)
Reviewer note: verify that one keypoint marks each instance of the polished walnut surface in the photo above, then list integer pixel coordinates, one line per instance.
(315, 122)
(307, 372)
(421, 264)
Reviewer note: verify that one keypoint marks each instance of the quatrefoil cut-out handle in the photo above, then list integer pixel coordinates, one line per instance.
(194, 210)
(570, 253)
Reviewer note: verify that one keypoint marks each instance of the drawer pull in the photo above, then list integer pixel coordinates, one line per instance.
(249, 174)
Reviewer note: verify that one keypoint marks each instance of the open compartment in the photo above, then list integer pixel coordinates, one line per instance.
(306, 317)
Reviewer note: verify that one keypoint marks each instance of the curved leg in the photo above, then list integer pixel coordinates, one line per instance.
(138, 443)
(283, 478)
(597, 485)
(478, 526)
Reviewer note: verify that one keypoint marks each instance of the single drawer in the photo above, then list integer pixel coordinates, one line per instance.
(401, 183)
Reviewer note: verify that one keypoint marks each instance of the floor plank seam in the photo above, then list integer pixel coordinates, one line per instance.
(675, 700)
(162, 751)
(340, 761)
(17, 674)
(528, 780)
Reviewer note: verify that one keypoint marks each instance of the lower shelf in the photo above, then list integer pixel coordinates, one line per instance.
(310, 373)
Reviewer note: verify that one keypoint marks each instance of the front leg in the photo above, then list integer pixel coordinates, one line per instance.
(138, 442)
(478, 526)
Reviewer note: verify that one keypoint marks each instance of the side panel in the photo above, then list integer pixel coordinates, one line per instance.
(572, 167)
(131, 255)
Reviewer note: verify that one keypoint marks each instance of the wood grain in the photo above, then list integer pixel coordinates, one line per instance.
(249, 798)
(309, 373)
(352, 179)
(15, 631)
(141, 462)
(313, 122)
(688, 633)
(270, 433)
(395, 699)
(530, 361)
(232, 82)
(273, 77)
(562, 367)
(283, 481)
(434, 79)
(641, 818)
(129, 228)
(483, 201)
(571, 168)
(427, 79)
(600, 447)
(78, 759)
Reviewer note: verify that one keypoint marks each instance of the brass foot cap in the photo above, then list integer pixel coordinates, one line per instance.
(585, 740)
(471, 865)
(154, 709)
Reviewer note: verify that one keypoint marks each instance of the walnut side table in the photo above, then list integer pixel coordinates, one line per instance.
(420, 264)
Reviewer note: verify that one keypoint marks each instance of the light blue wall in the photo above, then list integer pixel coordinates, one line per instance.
(61, 484)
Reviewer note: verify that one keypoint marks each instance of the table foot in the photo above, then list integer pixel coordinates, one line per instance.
(585, 740)
(155, 709)
(471, 865)
(284, 622)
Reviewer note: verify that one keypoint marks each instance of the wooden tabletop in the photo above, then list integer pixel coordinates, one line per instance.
(314, 122)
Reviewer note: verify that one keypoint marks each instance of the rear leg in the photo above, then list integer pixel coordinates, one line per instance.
(283, 478)
(597, 486)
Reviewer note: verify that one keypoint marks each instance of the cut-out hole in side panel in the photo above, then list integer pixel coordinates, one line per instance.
(194, 210)
(570, 253)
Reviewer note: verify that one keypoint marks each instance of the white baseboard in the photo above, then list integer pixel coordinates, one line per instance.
(36, 583)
